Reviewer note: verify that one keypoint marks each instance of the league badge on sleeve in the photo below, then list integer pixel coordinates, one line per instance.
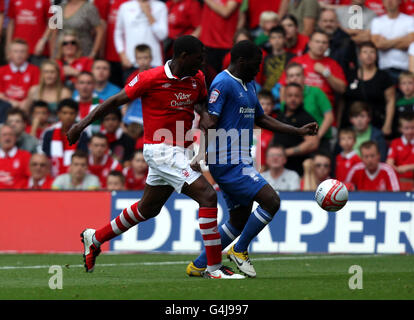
(214, 96)
(134, 81)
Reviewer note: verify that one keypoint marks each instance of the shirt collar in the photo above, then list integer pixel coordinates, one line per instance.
(39, 183)
(349, 155)
(169, 74)
(11, 153)
(405, 141)
(15, 68)
(237, 79)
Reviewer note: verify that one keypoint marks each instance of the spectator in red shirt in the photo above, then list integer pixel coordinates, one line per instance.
(255, 8)
(401, 152)
(70, 59)
(49, 89)
(183, 18)
(121, 144)
(18, 76)
(115, 181)
(110, 52)
(348, 157)
(295, 42)
(218, 25)
(136, 174)
(321, 71)
(87, 98)
(28, 20)
(267, 102)
(371, 174)
(14, 163)
(100, 162)
(39, 115)
(39, 178)
(54, 141)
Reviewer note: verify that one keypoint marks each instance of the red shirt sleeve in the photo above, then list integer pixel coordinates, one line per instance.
(203, 90)
(138, 85)
(391, 150)
(11, 12)
(337, 71)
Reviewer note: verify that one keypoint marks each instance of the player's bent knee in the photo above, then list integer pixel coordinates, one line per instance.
(209, 198)
(271, 204)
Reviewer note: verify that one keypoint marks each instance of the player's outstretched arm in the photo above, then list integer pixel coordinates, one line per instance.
(274, 125)
(98, 113)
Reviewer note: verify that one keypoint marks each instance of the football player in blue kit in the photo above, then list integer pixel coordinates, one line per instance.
(233, 110)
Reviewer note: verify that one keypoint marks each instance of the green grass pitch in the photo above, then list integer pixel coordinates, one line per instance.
(162, 277)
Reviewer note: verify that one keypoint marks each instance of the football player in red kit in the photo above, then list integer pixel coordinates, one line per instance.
(169, 95)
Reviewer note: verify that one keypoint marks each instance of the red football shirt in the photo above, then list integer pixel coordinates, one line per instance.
(167, 102)
(407, 7)
(80, 64)
(102, 169)
(131, 182)
(16, 82)
(216, 31)
(384, 179)
(313, 78)
(110, 52)
(103, 7)
(300, 45)
(376, 6)
(31, 17)
(183, 17)
(14, 168)
(257, 7)
(402, 152)
(44, 184)
(344, 163)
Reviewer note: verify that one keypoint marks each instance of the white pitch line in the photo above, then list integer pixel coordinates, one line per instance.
(162, 263)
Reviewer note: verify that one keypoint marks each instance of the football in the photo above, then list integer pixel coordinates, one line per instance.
(331, 195)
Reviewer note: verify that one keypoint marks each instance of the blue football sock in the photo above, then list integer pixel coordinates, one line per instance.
(227, 233)
(258, 219)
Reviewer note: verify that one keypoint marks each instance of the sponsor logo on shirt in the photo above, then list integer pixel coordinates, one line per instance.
(134, 81)
(214, 96)
(183, 99)
(247, 112)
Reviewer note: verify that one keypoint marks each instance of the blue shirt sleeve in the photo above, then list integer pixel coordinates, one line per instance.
(259, 110)
(217, 98)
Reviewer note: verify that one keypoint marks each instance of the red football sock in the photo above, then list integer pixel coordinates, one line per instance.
(128, 218)
(207, 218)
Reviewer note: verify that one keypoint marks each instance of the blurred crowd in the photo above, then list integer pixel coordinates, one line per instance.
(346, 64)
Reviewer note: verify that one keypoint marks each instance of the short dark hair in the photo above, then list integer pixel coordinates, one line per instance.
(187, 44)
(357, 107)
(276, 146)
(368, 44)
(368, 144)
(99, 135)
(101, 60)
(115, 173)
(79, 154)
(318, 31)
(293, 65)
(290, 17)
(82, 73)
(39, 104)
(265, 94)
(347, 131)
(321, 154)
(70, 103)
(143, 48)
(116, 112)
(279, 30)
(407, 116)
(294, 85)
(244, 49)
(16, 111)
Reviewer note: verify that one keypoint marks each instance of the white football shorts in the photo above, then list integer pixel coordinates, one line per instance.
(168, 165)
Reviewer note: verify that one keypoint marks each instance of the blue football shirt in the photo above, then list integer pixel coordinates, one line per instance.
(237, 106)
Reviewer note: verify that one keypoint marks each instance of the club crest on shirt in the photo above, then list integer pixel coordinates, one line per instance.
(134, 81)
(166, 85)
(194, 83)
(16, 164)
(214, 96)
